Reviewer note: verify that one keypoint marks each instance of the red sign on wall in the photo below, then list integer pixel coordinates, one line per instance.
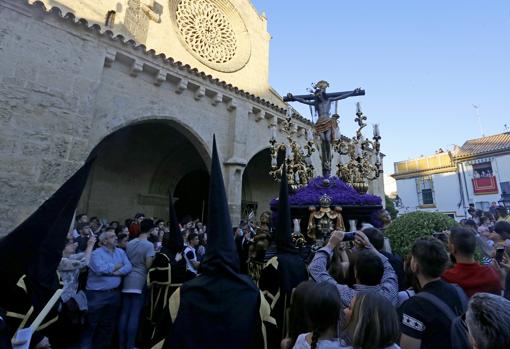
(485, 185)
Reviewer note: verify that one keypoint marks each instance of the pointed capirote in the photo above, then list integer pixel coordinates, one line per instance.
(283, 228)
(221, 251)
(35, 246)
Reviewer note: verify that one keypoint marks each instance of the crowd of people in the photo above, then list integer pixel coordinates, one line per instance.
(104, 272)
(152, 283)
(358, 294)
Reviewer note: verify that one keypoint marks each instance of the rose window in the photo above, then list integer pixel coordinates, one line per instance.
(206, 30)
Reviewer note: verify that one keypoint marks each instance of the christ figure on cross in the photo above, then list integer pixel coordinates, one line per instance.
(326, 127)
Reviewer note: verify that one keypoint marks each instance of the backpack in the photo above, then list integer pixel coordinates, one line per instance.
(458, 330)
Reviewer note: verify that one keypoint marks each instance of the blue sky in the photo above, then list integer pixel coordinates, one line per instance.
(423, 65)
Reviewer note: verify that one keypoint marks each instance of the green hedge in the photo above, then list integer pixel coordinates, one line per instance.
(405, 229)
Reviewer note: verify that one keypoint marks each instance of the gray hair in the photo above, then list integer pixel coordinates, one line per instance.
(488, 321)
(103, 236)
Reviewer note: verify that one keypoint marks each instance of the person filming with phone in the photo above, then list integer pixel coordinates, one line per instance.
(372, 271)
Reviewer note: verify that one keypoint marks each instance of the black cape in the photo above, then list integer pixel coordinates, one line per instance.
(220, 307)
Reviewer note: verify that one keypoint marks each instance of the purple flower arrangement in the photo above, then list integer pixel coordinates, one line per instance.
(339, 192)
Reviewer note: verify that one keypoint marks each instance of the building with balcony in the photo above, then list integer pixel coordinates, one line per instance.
(476, 173)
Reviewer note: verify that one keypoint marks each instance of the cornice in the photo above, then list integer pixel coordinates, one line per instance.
(132, 45)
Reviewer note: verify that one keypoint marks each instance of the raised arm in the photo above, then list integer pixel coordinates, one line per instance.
(319, 272)
(389, 281)
(309, 100)
(342, 95)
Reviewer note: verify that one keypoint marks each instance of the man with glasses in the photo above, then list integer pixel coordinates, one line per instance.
(107, 266)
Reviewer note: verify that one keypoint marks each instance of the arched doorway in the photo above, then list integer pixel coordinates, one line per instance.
(258, 186)
(137, 166)
(192, 196)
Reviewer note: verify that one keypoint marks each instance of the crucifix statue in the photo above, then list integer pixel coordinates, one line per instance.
(326, 126)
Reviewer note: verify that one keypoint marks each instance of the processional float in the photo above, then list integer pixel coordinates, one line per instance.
(323, 203)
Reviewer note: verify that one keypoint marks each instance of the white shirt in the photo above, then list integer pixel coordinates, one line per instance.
(189, 265)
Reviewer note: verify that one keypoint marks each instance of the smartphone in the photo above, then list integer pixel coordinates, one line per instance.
(349, 236)
(499, 254)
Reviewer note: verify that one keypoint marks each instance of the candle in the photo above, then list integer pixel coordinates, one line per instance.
(289, 112)
(309, 135)
(358, 108)
(336, 107)
(273, 132)
(273, 161)
(376, 130)
(357, 150)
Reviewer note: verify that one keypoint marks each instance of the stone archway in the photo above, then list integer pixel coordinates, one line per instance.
(258, 186)
(192, 195)
(137, 166)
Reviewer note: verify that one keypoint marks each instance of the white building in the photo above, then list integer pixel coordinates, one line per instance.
(477, 173)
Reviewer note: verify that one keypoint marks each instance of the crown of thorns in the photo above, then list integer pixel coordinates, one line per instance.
(321, 84)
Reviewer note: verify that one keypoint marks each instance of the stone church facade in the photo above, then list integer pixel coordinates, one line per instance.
(142, 86)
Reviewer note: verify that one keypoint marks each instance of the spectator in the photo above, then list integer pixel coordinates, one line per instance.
(372, 323)
(107, 266)
(81, 218)
(74, 302)
(503, 214)
(467, 273)
(493, 209)
(115, 225)
(141, 254)
(484, 225)
(123, 239)
(324, 310)
(488, 321)
(69, 269)
(190, 256)
(501, 234)
(134, 227)
(376, 238)
(84, 232)
(422, 324)
(413, 286)
(95, 225)
(372, 270)
(297, 314)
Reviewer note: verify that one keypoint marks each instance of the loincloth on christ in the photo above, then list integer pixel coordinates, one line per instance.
(325, 124)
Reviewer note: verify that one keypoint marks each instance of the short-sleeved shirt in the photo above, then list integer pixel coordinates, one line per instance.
(190, 256)
(137, 251)
(420, 319)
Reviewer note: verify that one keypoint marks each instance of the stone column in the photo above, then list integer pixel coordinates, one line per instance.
(234, 176)
(236, 162)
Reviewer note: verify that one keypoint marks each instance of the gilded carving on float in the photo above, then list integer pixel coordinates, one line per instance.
(213, 32)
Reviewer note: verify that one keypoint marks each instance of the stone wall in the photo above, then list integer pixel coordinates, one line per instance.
(152, 23)
(64, 88)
